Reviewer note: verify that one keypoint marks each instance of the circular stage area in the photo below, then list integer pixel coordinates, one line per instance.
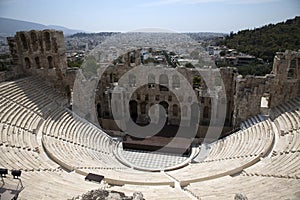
(152, 160)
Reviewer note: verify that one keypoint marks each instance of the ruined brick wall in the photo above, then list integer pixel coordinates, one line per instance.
(280, 86)
(179, 107)
(41, 54)
(286, 68)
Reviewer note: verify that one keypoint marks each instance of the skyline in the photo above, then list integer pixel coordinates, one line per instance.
(176, 15)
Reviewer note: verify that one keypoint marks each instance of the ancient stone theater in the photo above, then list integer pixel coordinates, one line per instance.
(66, 131)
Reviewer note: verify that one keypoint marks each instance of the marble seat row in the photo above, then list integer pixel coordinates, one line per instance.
(154, 192)
(249, 142)
(229, 155)
(67, 126)
(287, 116)
(26, 160)
(284, 165)
(73, 156)
(84, 161)
(288, 124)
(16, 115)
(285, 161)
(288, 143)
(57, 184)
(130, 177)
(31, 94)
(251, 121)
(254, 187)
(21, 113)
(210, 170)
(17, 137)
(28, 85)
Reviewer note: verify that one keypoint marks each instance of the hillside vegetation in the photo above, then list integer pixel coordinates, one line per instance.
(264, 42)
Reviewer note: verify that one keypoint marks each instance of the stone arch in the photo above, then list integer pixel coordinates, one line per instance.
(132, 57)
(195, 111)
(143, 107)
(99, 110)
(132, 80)
(24, 41)
(163, 82)
(47, 41)
(34, 41)
(292, 71)
(206, 112)
(27, 63)
(175, 81)
(50, 62)
(133, 110)
(165, 106)
(37, 62)
(151, 81)
(175, 109)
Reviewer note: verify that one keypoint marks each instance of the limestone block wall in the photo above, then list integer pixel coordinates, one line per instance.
(280, 86)
(180, 107)
(40, 53)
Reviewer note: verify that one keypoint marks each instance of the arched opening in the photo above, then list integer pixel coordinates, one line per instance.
(132, 80)
(27, 63)
(133, 110)
(50, 62)
(143, 108)
(206, 112)
(163, 82)
(175, 110)
(34, 41)
(151, 81)
(292, 69)
(24, 41)
(55, 46)
(132, 57)
(165, 106)
(99, 110)
(195, 111)
(197, 81)
(37, 62)
(47, 41)
(175, 82)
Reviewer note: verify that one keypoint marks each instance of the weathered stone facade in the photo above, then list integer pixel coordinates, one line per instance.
(160, 88)
(41, 54)
(243, 95)
(278, 87)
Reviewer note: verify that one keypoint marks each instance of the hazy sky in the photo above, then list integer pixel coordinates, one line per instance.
(177, 15)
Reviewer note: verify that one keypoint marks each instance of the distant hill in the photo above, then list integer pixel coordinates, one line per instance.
(9, 27)
(264, 42)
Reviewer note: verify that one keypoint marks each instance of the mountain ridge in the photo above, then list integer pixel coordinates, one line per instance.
(9, 27)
